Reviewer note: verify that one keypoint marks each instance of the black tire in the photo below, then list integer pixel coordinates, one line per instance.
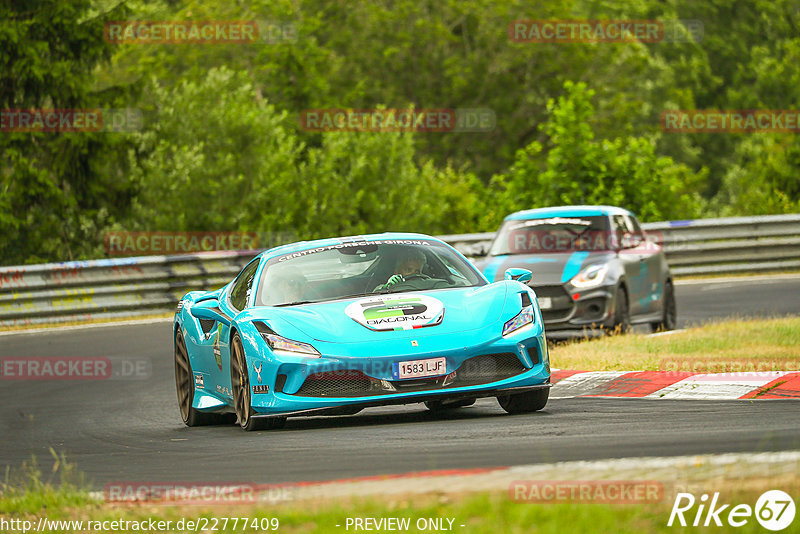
(443, 406)
(622, 313)
(184, 383)
(240, 384)
(669, 318)
(532, 401)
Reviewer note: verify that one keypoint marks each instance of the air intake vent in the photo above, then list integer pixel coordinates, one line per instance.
(533, 354)
(487, 368)
(280, 381)
(344, 383)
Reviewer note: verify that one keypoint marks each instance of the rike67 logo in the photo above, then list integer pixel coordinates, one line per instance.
(774, 510)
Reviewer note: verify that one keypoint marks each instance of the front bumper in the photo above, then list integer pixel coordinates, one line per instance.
(593, 308)
(302, 386)
(431, 396)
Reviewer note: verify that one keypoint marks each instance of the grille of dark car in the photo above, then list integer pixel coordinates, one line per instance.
(560, 303)
(555, 316)
(474, 371)
(557, 294)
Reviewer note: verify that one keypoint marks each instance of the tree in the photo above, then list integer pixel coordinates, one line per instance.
(58, 189)
(578, 169)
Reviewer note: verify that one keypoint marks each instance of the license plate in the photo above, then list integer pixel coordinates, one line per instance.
(419, 368)
(544, 302)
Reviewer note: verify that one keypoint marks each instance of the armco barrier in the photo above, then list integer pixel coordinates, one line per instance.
(95, 289)
(705, 246)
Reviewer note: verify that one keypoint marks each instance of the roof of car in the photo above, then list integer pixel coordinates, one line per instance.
(330, 241)
(566, 211)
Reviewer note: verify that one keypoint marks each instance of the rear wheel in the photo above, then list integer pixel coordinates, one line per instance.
(442, 406)
(669, 318)
(184, 382)
(525, 402)
(240, 384)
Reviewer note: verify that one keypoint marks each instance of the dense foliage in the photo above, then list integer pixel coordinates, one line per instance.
(221, 147)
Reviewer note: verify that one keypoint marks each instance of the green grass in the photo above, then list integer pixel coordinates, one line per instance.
(29, 489)
(730, 346)
(490, 512)
(60, 493)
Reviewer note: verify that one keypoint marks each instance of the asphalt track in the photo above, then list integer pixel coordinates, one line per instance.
(130, 430)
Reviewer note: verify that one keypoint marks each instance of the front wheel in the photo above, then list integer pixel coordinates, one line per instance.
(532, 401)
(240, 384)
(184, 382)
(669, 317)
(622, 313)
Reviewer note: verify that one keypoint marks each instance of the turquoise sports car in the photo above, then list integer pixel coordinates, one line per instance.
(332, 326)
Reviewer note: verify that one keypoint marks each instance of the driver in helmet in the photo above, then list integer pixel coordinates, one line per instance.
(289, 288)
(407, 267)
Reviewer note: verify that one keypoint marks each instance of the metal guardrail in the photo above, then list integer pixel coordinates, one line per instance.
(97, 289)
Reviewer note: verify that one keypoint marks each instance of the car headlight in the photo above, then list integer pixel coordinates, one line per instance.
(280, 344)
(592, 276)
(523, 318)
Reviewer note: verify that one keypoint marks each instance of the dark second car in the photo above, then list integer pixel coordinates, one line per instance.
(593, 266)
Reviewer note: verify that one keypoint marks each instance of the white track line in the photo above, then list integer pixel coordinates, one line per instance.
(743, 279)
(57, 329)
(717, 386)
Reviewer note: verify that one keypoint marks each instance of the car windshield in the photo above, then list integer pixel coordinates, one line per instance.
(359, 268)
(554, 234)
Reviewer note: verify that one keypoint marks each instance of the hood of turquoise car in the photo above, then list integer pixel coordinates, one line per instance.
(397, 315)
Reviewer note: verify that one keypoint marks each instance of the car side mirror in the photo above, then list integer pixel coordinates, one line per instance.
(209, 309)
(520, 275)
(631, 241)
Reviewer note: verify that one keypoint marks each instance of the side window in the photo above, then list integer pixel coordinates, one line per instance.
(241, 288)
(621, 232)
(636, 230)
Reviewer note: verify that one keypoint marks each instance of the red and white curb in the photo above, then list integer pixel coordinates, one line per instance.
(676, 384)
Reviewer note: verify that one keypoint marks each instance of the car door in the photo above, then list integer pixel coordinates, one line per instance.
(231, 302)
(630, 258)
(651, 259)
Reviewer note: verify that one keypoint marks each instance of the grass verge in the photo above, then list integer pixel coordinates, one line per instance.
(474, 512)
(730, 346)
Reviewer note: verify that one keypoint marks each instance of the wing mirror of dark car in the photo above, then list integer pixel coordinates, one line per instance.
(520, 275)
(630, 241)
(209, 309)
